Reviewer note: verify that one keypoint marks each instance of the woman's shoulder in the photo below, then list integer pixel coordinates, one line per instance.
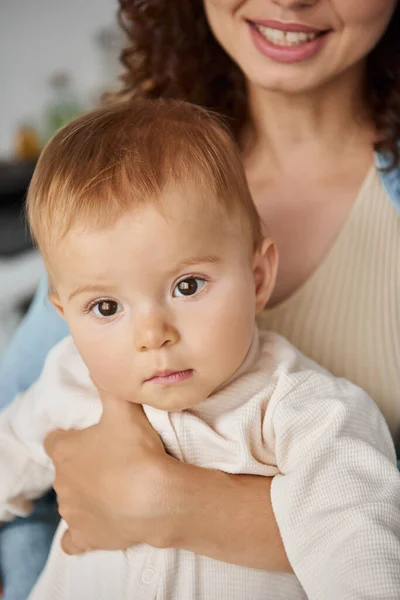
(390, 179)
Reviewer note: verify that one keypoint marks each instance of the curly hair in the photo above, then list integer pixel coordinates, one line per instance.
(172, 53)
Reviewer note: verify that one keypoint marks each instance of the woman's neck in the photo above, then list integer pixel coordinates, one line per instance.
(326, 123)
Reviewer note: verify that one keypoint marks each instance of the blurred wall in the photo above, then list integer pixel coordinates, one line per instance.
(39, 37)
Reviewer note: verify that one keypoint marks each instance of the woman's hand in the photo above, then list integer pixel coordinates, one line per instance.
(117, 487)
(110, 480)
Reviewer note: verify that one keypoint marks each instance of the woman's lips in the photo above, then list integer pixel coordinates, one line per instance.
(287, 26)
(170, 377)
(286, 43)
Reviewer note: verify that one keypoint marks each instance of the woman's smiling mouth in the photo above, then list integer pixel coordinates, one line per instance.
(287, 42)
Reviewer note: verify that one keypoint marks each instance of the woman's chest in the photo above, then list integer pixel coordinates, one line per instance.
(346, 314)
(305, 224)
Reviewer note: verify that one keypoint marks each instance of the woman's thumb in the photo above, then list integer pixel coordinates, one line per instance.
(115, 408)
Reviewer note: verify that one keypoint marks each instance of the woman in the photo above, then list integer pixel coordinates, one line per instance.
(311, 88)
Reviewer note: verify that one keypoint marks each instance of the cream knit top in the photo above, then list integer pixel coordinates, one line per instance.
(335, 492)
(346, 316)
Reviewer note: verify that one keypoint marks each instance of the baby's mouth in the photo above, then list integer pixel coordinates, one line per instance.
(169, 377)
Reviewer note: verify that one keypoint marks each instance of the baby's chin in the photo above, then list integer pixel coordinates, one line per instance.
(174, 399)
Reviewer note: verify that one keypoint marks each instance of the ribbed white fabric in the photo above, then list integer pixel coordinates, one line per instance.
(346, 316)
(336, 494)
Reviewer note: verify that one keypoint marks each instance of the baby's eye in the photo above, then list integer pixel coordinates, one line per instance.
(188, 286)
(106, 308)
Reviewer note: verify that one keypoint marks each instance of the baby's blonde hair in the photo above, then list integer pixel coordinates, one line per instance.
(113, 159)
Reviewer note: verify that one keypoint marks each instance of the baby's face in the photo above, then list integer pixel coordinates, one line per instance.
(161, 306)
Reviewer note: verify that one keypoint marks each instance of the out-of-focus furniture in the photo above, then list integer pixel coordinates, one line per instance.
(20, 264)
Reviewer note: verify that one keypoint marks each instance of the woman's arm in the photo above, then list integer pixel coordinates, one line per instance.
(227, 517)
(39, 331)
(117, 487)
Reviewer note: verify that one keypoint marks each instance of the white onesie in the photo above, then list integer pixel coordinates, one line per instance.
(335, 493)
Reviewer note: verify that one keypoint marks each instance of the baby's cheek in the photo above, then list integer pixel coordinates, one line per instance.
(115, 381)
(233, 324)
(111, 369)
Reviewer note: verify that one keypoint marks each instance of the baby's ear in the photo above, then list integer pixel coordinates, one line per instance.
(265, 267)
(55, 300)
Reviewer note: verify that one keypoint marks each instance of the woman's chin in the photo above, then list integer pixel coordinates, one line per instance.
(285, 80)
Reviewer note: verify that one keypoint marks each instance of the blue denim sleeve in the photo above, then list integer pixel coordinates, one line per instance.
(39, 331)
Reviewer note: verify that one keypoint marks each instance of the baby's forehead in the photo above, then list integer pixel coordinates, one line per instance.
(178, 217)
(146, 247)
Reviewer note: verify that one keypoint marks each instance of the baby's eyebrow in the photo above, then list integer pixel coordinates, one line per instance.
(185, 264)
(96, 288)
(196, 260)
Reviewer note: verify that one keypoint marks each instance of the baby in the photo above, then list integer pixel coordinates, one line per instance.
(157, 262)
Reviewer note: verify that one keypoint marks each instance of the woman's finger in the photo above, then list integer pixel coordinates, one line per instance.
(118, 409)
(127, 419)
(58, 444)
(69, 547)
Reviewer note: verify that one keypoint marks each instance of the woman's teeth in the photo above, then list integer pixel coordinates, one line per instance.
(285, 38)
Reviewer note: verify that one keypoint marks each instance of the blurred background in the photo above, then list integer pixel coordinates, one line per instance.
(56, 60)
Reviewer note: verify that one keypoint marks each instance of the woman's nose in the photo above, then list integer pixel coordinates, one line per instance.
(153, 331)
